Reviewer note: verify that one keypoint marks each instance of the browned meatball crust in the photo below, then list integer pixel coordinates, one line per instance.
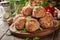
(47, 21)
(17, 16)
(56, 23)
(32, 25)
(27, 11)
(39, 13)
(19, 24)
(10, 21)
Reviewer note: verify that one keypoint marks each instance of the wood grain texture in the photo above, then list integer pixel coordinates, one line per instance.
(11, 37)
(3, 28)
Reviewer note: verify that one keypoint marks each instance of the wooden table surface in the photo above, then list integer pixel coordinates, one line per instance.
(4, 29)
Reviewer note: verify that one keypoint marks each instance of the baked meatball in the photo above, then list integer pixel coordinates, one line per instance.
(56, 23)
(10, 21)
(32, 25)
(17, 16)
(39, 13)
(49, 16)
(19, 23)
(27, 11)
(47, 21)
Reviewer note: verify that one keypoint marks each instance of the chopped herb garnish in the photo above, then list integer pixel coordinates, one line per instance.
(5, 20)
(36, 38)
(59, 21)
(41, 28)
(8, 33)
(16, 6)
(37, 7)
(26, 39)
(23, 30)
(27, 19)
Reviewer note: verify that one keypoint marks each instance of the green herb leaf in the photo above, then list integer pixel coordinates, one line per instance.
(5, 20)
(36, 38)
(23, 30)
(13, 3)
(59, 21)
(14, 14)
(41, 28)
(21, 4)
(26, 39)
(37, 7)
(46, 3)
(8, 34)
(27, 19)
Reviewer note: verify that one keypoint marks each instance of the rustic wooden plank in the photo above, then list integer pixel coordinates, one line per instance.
(3, 28)
(11, 37)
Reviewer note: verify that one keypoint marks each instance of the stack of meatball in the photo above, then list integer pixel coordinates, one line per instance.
(32, 19)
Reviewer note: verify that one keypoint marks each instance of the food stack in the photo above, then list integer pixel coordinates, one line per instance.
(33, 17)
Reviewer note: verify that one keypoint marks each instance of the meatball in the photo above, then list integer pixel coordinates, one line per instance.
(39, 13)
(32, 25)
(27, 11)
(17, 16)
(35, 2)
(47, 21)
(56, 23)
(49, 15)
(20, 22)
(10, 21)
